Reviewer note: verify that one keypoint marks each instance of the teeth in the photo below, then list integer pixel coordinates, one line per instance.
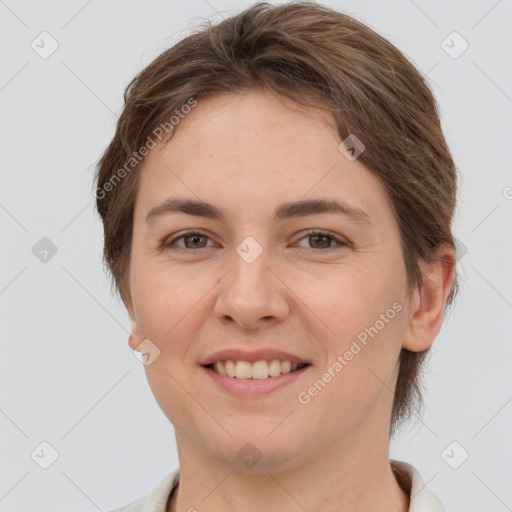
(258, 370)
(230, 368)
(243, 370)
(286, 367)
(220, 367)
(274, 368)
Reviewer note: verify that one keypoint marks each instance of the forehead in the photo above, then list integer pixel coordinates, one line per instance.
(253, 151)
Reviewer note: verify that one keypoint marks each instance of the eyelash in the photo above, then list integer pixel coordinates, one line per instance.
(313, 232)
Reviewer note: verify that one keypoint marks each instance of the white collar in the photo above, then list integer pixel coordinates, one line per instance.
(422, 499)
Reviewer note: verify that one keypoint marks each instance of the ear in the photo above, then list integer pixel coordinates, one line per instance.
(427, 305)
(134, 338)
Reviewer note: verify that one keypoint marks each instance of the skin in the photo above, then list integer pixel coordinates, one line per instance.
(248, 153)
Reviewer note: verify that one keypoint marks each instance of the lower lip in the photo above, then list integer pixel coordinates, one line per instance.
(254, 387)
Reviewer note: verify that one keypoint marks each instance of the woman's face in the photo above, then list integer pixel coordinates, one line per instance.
(261, 280)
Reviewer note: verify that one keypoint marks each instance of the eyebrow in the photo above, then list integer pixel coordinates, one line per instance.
(283, 211)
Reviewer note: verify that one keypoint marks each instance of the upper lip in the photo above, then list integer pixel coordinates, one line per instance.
(265, 354)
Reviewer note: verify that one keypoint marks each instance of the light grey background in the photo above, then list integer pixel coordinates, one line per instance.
(67, 375)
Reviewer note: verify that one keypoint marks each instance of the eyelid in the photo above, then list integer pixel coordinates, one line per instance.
(167, 244)
(340, 241)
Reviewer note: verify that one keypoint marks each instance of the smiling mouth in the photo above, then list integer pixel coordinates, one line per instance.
(258, 370)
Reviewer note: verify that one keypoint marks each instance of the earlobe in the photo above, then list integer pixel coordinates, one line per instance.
(134, 339)
(428, 304)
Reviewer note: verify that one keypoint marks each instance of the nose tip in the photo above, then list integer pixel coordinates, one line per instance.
(251, 295)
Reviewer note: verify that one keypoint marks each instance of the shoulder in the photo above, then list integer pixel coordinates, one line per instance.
(156, 500)
(421, 497)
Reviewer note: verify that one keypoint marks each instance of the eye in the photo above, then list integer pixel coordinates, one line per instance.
(322, 240)
(192, 240)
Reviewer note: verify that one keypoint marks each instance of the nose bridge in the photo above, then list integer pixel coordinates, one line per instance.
(251, 291)
(251, 276)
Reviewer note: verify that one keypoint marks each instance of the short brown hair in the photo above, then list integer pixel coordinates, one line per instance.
(306, 52)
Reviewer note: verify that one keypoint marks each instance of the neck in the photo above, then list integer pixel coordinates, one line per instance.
(348, 477)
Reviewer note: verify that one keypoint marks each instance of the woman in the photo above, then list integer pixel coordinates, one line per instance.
(277, 204)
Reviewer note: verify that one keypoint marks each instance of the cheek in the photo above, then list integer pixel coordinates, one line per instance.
(361, 320)
(163, 296)
(346, 298)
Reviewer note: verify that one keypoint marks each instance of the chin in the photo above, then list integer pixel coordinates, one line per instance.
(257, 446)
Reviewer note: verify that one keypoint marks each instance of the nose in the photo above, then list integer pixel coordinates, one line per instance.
(252, 295)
